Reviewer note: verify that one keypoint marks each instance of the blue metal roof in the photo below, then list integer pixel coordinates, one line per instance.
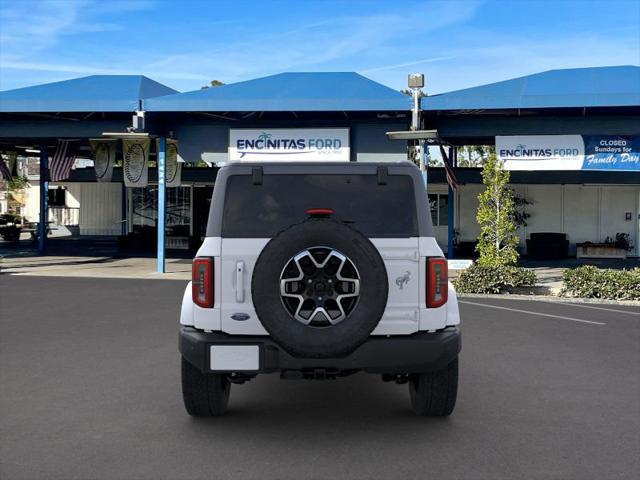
(306, 91)
(577, 87)
(96, 93)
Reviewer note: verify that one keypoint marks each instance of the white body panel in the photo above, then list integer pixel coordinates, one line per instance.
(245, 250)
(404, 258)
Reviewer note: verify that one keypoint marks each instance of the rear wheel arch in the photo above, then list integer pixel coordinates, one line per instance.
(186, 310)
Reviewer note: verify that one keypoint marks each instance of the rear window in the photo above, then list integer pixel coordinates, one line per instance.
(282, 200)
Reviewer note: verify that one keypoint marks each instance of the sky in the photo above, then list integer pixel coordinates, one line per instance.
(185, 44)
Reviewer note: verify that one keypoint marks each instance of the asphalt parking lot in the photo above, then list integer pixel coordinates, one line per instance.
(89, 389)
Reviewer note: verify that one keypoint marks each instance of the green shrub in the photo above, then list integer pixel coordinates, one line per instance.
(592, 282)
(493, 279)
(6, 218)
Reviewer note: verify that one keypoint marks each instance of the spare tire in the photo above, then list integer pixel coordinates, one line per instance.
(319, 288)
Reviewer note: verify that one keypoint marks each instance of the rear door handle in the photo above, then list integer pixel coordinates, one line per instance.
(240, 282)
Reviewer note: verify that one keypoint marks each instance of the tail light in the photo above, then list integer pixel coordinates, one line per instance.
(202, 282)
(437, 282)
(320, 212)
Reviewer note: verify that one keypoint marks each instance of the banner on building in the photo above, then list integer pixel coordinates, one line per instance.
(104, 157)
(135, 154)
(173, 166)
(569, 152)
(289, 144)
(611, 152)
(541, 152)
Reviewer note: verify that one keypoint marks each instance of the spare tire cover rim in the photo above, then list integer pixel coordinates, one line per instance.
(319, 286)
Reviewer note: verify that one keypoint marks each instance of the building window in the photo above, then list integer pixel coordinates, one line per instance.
(178, 221)
(144, 214)
(144, 208)
(57, 197)
(439, 205)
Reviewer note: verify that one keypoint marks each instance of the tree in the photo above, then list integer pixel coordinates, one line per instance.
(496, 211)
(213, 83)
(413, 157)
(15, 194)
(474, 155)
(409, 92)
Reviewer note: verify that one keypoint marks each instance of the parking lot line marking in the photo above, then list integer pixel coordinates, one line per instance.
(597, 308)
(532, 313)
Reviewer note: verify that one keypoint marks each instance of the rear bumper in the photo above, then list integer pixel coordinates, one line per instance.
(420, 352)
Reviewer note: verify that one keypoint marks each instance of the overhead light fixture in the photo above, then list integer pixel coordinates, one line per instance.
(31, 150)
(414, 135)
(126, 134)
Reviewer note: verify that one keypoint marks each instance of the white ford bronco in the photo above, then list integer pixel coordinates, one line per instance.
(315, 271)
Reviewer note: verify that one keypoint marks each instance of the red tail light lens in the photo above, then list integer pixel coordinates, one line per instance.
(437, 282)
(320, 212)
(202, 282)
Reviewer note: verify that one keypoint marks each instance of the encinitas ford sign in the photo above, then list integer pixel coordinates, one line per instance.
(289, 144)
(569, 152)
(541, 152)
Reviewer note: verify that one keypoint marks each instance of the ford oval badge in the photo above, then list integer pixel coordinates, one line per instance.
(240, 317)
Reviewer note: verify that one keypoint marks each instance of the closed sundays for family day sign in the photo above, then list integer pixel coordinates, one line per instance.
(569, 152)
(289, 144)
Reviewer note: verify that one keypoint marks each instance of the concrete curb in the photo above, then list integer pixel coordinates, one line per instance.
(553, 299)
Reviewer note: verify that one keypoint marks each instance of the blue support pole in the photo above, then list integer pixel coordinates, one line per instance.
(44, 200)
(162, 190)
(450, 207)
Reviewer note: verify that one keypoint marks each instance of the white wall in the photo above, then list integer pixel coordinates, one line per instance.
(614, 204)
(546, 211)
(583, 212)
(100, 208)
(32, 202)
(581, 216)
(32, 199)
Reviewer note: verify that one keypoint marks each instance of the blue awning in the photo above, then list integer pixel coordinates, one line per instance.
(577, 87)
(96, 93)
(288, 92)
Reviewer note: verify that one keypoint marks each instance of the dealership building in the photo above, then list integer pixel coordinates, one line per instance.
(570, 137)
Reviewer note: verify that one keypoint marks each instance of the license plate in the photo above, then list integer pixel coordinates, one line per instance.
(234, 358)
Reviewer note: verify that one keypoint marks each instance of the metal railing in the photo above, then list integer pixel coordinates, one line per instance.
(67, 216)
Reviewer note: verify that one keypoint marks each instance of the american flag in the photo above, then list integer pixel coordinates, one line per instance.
(448, 169)
(4, 170)
(62, 161)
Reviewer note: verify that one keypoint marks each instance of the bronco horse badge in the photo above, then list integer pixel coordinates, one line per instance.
(402, 280)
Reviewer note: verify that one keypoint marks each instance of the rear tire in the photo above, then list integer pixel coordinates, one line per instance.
(204, 394)
(433, 394)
